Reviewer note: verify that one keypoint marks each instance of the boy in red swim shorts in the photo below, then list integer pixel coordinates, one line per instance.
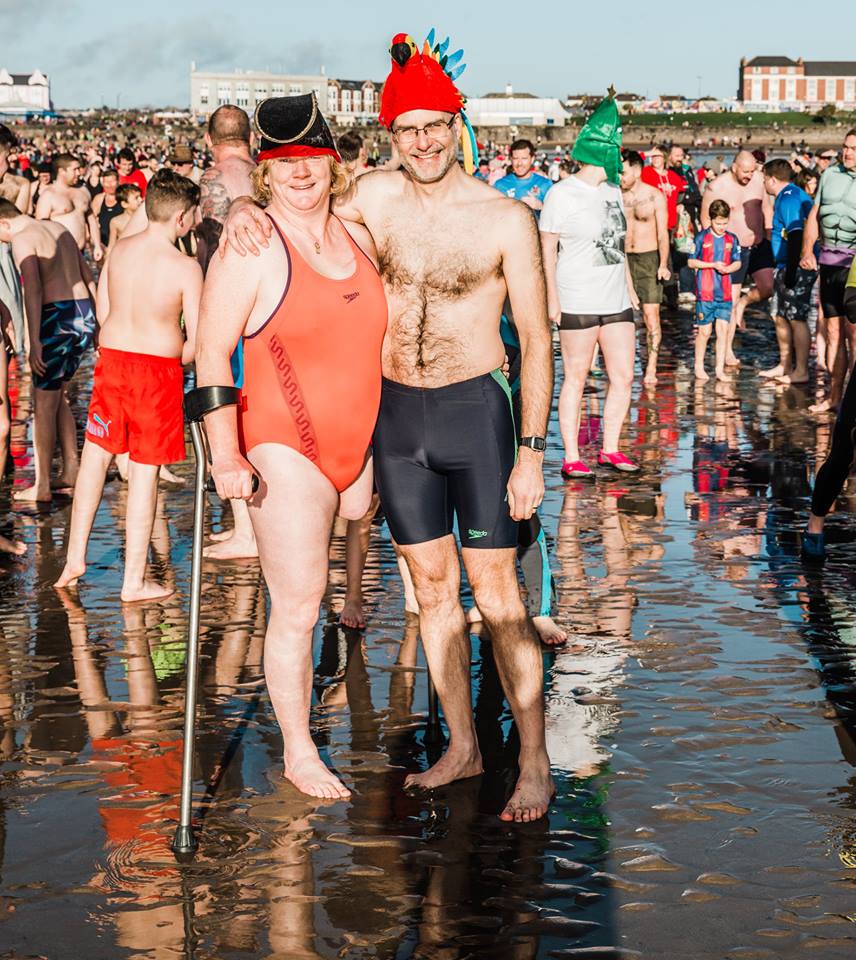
(145, 289)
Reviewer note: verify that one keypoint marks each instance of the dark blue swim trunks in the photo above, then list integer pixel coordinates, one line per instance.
(67, 332)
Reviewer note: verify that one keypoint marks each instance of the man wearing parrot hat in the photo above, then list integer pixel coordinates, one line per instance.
(450, 249)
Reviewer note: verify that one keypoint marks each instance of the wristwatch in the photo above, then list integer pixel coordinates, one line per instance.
(534, 443)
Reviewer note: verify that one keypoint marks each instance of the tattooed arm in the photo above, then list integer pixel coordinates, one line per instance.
(213, 207)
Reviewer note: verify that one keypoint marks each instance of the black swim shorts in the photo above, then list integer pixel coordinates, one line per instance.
(585, 321)
(441, 452)
(753, 259)
(833, 281)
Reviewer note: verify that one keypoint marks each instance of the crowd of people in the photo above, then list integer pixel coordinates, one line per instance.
(390, 331)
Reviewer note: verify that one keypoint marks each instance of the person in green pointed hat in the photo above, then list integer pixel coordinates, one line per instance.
(599, 142)
(590, 295)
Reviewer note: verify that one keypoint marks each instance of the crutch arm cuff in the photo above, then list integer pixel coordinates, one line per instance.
(204, 400)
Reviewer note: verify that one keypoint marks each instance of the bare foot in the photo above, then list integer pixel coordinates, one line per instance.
(773, 372)
(798, 376)
(702, 375)
(450, 767)
(221, 535)
(549, 631)
(15, 547)
(732, 361)
(233, 548)
(531, 797)
(168, 476)
(352, 615)
(311, 776)
(32, 495)
(64, 484)
(739, 311)
(722, 376)
(70, 575)
(823, 407)
(147, 590)
(474, 615)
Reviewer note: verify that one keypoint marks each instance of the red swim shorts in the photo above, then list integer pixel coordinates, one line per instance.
(137, 406)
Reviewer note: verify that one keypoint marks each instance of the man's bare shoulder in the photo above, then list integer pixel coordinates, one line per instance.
(379, 183)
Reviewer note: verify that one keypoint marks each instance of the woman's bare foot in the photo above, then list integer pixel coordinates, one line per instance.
(531, 797)
(168, 476)
(453, 765)
(723, 377)
(15, 547)
(232, 548)
(701, 375)
(71, 573)
(773, 372)
(147, 590)
(311, 776)
(352, 614)
(549, 631)
(732, 361)
(32, 495)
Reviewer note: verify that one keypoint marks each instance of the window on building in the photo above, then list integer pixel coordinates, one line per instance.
(224, 93)
(811, 90)
(850, 89)
(295, 90)
(774, 70)
(261, 93)
(204, 94)
(242, 95)
(279, 89)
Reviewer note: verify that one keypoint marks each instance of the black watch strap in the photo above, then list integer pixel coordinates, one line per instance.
(534, 443)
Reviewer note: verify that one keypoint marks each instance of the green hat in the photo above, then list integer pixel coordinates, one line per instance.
(599, 142)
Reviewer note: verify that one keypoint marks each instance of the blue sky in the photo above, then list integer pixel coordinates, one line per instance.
(140, 51)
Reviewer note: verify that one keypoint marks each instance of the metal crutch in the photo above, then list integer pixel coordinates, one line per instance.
(197, 403)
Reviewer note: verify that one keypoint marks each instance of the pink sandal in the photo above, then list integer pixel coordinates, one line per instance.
(575, 470)
(617, 461)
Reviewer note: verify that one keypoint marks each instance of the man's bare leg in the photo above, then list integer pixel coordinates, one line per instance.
(651, 315)
(237, 544)
(94, 463)
(820, 341)
(436, 575)
(293, 516)
(801, 337)
(45, 406)
(783, 338)
(493, 577)
(356, 551)
(139, 522)
(66, 429)
(836, 360)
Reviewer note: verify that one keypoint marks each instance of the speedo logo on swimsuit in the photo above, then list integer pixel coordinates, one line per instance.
(476, 534)
(294, 398)
(350, 297)
(98, 427)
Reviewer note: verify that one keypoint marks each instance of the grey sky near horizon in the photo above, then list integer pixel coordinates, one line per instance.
(107, 54)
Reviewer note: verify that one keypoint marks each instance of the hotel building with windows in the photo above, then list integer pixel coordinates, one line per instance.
(779, 83)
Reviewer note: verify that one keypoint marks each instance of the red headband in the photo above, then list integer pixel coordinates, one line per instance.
(286, 150)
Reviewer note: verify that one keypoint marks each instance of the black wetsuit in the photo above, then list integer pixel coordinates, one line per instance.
(836, 469)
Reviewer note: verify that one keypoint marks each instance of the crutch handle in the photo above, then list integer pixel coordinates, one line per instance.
(204, 400)
(211, 487)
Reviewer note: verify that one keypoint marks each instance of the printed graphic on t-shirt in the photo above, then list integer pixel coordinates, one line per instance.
(609, 248)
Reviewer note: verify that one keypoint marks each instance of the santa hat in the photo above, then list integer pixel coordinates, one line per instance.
(292, 127)
(599, 142)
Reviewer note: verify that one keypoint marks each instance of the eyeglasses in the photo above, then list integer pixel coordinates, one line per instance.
(436, 130)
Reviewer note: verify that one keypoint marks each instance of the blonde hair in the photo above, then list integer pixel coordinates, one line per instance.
(341, 179)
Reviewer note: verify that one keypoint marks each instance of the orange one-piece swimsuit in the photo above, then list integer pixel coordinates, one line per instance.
(312, 371)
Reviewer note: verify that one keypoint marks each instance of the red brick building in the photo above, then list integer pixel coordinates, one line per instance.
(779, 83)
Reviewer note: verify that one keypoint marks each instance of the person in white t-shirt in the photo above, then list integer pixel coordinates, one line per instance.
(590, 296)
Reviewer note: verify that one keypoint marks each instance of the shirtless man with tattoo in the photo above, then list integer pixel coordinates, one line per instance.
(647, 245)
(229, 138)
(450, 250)
(68, 203)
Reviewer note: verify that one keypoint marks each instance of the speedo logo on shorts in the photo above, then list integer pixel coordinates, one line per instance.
(98, 427)
(350, 297)
(476, 534)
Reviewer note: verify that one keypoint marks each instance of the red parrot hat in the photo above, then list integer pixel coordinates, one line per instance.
(292, 127)
(426, 81)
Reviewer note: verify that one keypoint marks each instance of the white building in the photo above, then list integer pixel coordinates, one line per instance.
(512, 109)
(246, 88)
(351, 102)
(23, 93)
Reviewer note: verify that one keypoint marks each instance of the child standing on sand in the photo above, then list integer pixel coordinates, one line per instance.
(716, 257)
(145, 288)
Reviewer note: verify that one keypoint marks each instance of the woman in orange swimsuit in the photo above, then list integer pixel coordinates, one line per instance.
(312, 314)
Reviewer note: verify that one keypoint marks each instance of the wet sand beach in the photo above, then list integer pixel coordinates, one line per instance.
(701, 726)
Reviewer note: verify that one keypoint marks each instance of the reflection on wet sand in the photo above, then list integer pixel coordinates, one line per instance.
(700, 723)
